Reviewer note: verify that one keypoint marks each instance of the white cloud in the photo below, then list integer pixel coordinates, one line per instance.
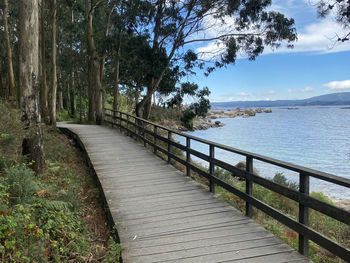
(317, 37)
(291, 90)
(308, 89)
(270, 92)
(242, 94)
(338, 85)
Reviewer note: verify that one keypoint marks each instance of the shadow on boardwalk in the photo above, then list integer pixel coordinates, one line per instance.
(163, 216)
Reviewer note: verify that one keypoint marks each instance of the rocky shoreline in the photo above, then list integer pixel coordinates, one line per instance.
(209, 120)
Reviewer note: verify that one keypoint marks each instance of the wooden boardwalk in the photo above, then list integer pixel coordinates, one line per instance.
(163, 216)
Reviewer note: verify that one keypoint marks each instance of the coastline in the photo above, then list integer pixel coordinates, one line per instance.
(207, 122)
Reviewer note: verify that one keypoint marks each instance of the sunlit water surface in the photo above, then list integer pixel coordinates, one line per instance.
(314, 137)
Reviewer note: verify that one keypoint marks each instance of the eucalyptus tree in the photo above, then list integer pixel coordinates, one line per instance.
(341, 10)
(29, 81)
(44, 91)
(227, 27)
(71, 49)
(9, 53)
(97, 53)
(53, 63)
(9, 17)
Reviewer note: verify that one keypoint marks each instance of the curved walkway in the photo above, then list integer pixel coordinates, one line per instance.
(163, 216)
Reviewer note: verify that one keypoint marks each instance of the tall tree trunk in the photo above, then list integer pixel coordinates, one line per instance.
(67, 94)
(147, 108)
(9, 55)
(2, 91)
(73, 102)
(99, 103)
(44, 103)
(91, 89)
(29, 81)
(103, 59)
(60, 101)
(53, 65)
(116, 78)
(94, 70)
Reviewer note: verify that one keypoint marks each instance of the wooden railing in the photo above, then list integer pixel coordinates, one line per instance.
(149, 133)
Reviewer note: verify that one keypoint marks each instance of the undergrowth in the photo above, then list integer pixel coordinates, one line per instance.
(53, 217)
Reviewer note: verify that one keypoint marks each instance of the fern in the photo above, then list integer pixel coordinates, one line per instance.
(56, 205)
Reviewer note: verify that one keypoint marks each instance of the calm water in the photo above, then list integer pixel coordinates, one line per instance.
(315, 137)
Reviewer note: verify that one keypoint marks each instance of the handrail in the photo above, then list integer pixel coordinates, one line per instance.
(305, 201)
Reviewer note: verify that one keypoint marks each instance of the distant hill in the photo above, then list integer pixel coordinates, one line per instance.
(340, 98)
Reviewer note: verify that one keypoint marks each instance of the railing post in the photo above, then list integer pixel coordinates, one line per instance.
(304, 188)
(144, 134)
(137, 131)
(127, 125)
(120, 121)
(211, 168)
(188, 156)
(113, 118)
(169, 146)
(249, 186)
(155, 139)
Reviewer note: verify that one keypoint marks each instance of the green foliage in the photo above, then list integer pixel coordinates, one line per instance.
(163, 115)
(11, 136)
(114, 252)
(64, 115)
(279, 178)
(41, 216)
(21, 184)
(187, 118)
(320, 196)
(175, 104)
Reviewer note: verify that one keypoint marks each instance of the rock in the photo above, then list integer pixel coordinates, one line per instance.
(267, 110)
(231, 114)
(258, 110)
(181, 128)
(217, 112)
(242, 166)
(249, 112)
(217, 122)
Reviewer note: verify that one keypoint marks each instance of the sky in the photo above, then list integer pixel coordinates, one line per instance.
(317, 65)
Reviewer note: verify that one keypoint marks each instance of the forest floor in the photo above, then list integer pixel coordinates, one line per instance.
(57, 216)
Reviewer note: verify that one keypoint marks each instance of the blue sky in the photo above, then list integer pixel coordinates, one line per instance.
(314, 67)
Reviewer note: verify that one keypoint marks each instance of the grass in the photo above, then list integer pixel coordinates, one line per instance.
(56, 216)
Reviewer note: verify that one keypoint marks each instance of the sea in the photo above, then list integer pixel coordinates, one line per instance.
(314, 137)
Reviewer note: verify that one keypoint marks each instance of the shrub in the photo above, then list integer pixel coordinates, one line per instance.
(279, 178)
(187, 118)
(21, 184)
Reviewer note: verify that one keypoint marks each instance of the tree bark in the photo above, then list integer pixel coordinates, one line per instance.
(2, 91)
(29, 82)
(53, 66)
(116, 78)
(67, 95)
(94, 69)
(9, 55)
(73, 102)
(60, 101)
(44, 103)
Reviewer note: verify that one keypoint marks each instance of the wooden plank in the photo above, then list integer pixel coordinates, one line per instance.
(163, 216)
